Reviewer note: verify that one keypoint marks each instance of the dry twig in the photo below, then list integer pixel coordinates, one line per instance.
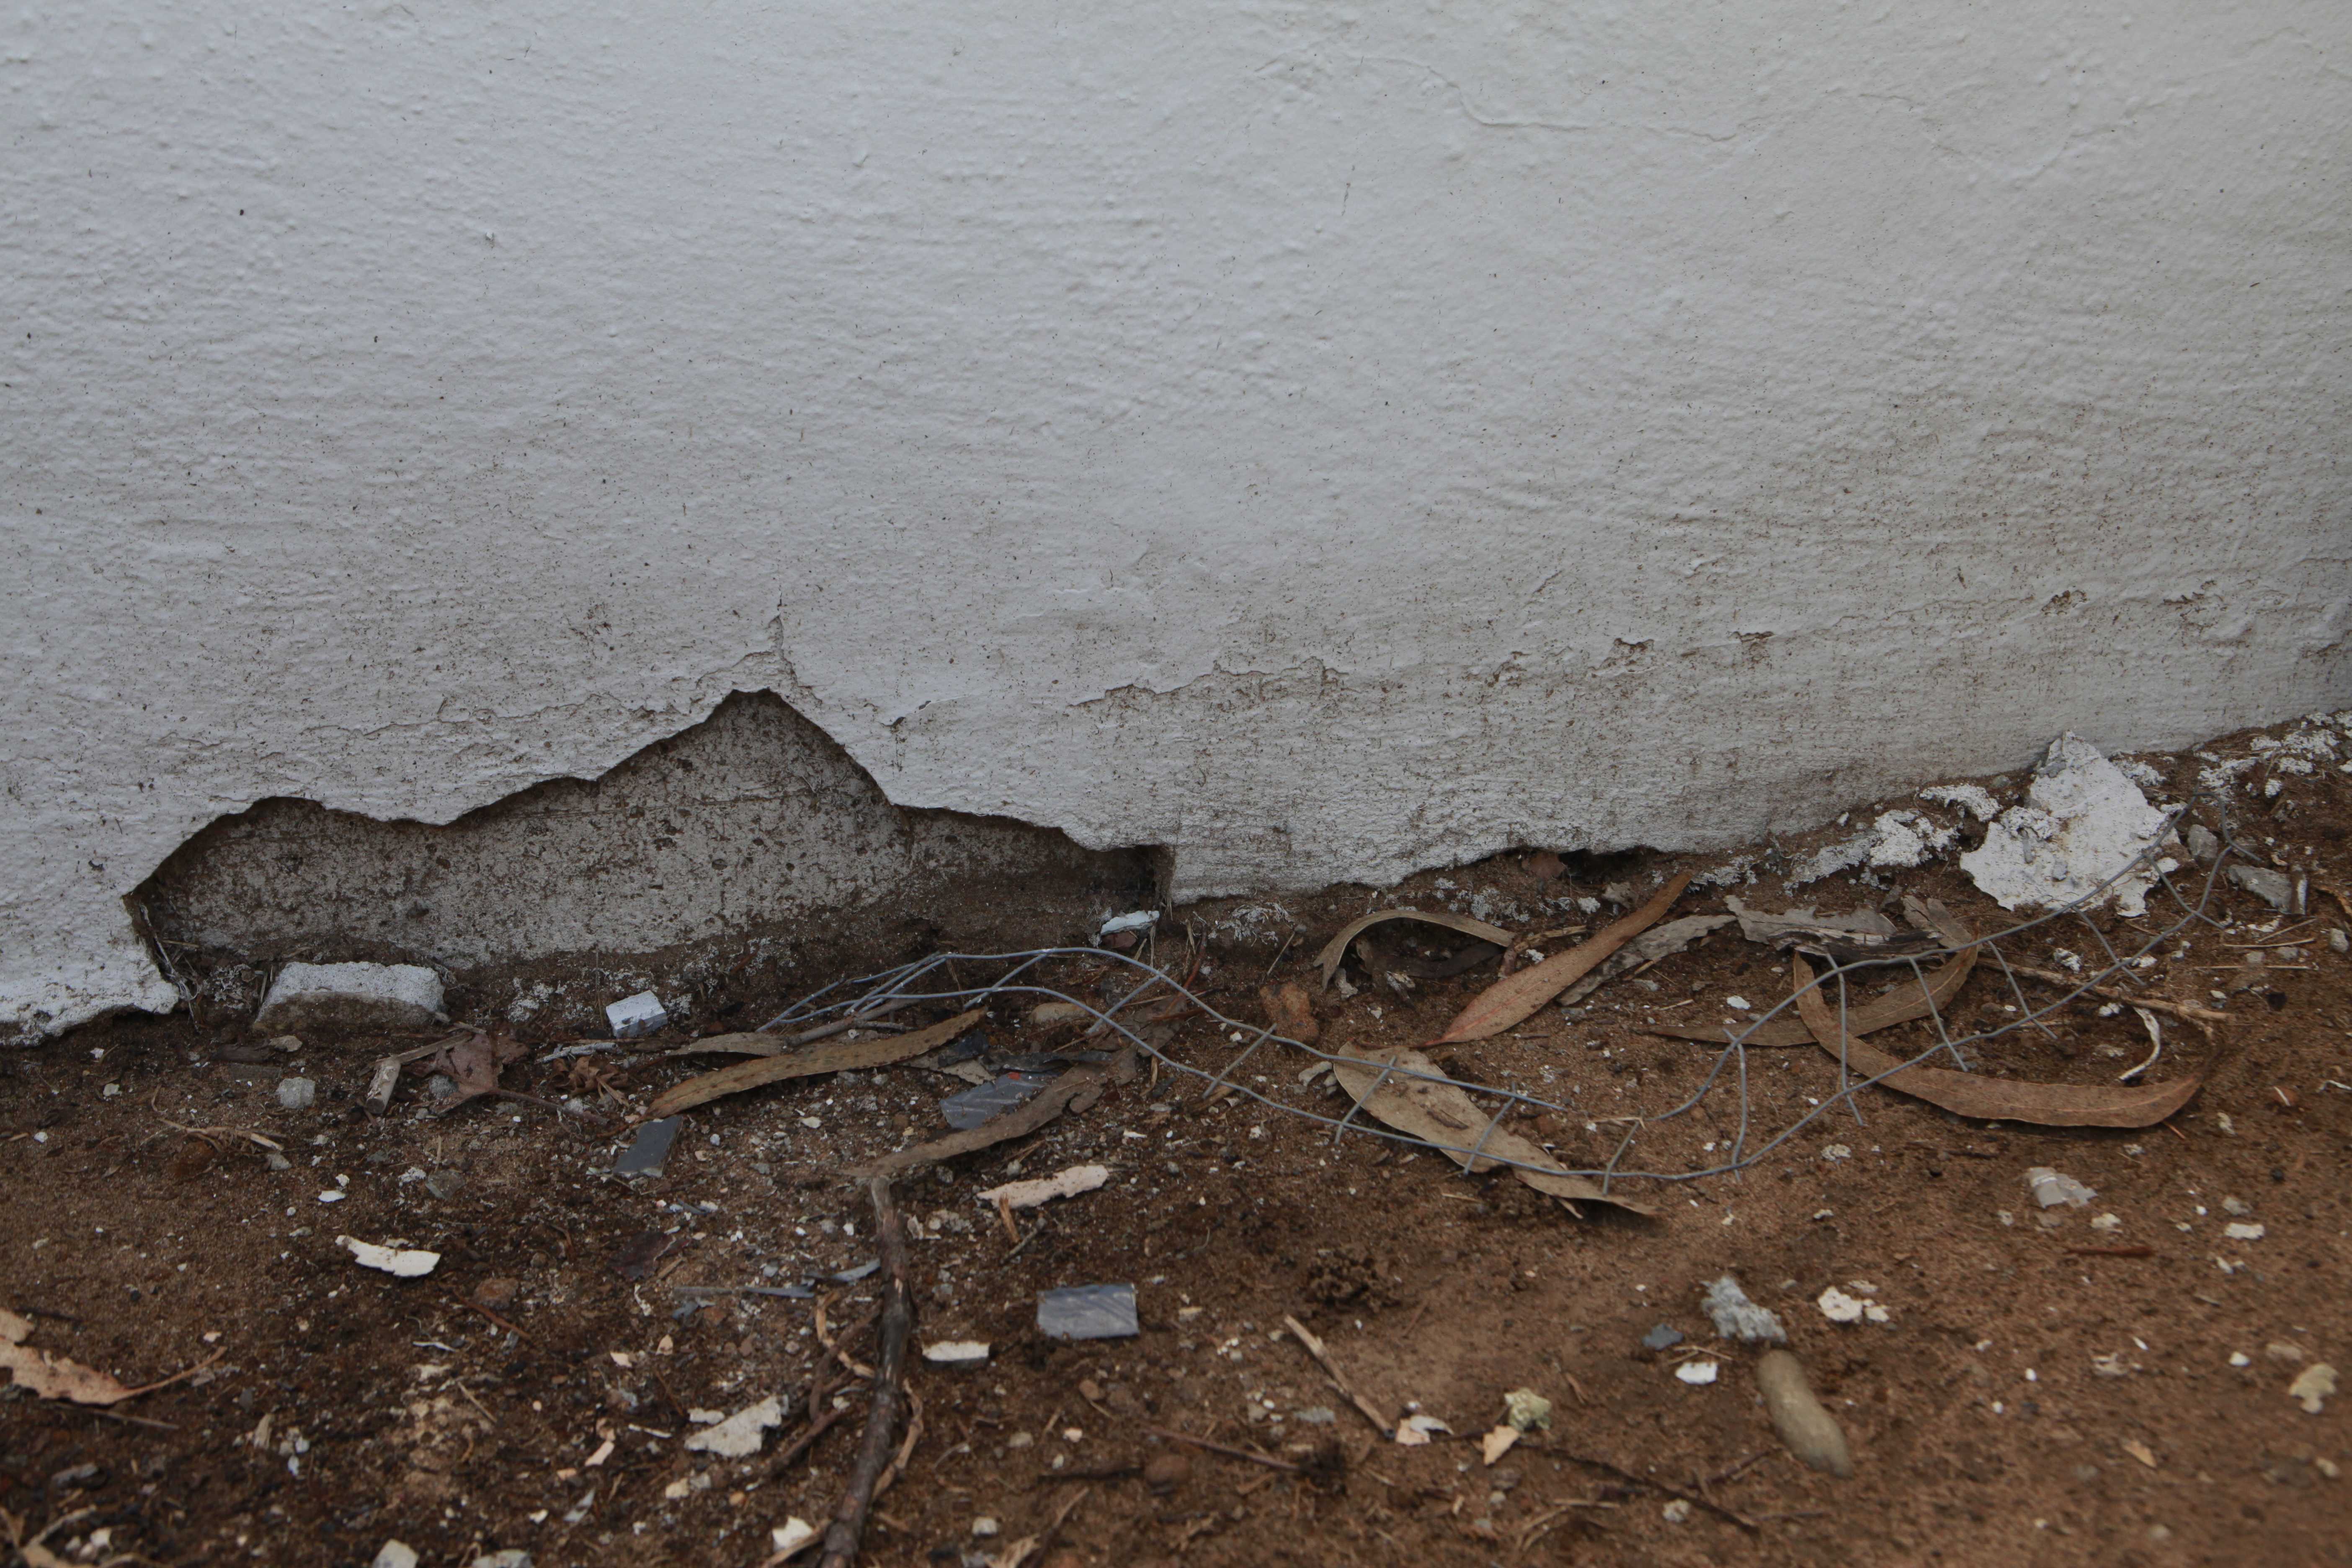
(848, 1524)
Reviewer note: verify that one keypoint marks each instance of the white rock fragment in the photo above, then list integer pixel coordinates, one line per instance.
(790, 1536)
(740, 1433)
(396, 1555)
(1140, 920)
(1046, 1189)
(637, 1016)
(2049, 1189)
(1697, 1371)
(2241, 1230)
(352, 996)
(1974, 799)
(2082, 823)
(406, 1262)
(2312, 1386)
(298, 1093)
(1838, 1307)
(957, 1353)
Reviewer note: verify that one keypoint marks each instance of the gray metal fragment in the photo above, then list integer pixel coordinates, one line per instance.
(1087, 1312)
(973, 1107)
(645, 1154)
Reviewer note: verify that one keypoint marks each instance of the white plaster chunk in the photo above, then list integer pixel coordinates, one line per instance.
(740, 1433)
(1046, 1189)
(1974, 799)
(353, 995)
(633, 1016)
(2082, 822)
(408, 1263)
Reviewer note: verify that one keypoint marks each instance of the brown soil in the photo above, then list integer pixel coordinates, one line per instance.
(2038, 1393)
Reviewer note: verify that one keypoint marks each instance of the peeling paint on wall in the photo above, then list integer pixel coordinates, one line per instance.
(1324, 443)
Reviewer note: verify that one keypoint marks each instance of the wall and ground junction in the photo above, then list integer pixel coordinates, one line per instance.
(1320, 442)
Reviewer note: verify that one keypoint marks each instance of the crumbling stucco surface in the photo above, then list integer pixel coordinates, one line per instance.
(1322, 441)
(751, 824)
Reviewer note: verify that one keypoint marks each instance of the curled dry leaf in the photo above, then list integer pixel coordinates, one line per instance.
(1442, 1114)
(1992, 1098)
(856, 1055)
(1336, 949)
(1900, 1006)
(1514, 997)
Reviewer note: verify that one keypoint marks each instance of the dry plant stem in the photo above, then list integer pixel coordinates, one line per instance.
(2187, 1011)
(1623, 1474)
(1314, 1347)
(1225, 1449)
(874, 1449)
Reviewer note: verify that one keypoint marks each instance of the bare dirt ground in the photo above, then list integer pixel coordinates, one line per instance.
(2043, 1390)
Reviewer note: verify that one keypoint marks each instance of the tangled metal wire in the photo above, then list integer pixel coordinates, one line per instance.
(871, 997)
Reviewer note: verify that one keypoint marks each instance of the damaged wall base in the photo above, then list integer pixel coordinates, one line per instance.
(750, 833)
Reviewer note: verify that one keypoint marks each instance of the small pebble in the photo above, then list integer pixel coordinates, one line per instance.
(297, 1093)
(1811, 1432)
(983, 1526)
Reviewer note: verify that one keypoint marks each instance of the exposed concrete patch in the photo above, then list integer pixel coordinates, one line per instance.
(749, 834)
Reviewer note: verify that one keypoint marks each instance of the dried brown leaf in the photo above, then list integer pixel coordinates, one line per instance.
(54, 1377)
(1992, 1098)
(1900, 1006)
(1515, 997)
(831, 1057)
(1336, 949)
(1443, 1115)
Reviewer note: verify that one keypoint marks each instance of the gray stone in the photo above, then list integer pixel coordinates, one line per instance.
(2202, 845)
(445, 1183)
(352, 996)
(1087, 1312)
(2275, 889)
(1738, 1317)
(1664, 1337)
(645, 1154)
(276, 1161)
(297, 1093)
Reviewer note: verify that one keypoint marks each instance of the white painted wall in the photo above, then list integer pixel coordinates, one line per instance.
(1328, 440)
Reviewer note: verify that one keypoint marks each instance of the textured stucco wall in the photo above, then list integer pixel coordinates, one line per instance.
(1324, 440)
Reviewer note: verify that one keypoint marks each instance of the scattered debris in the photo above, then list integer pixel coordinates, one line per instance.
(740, 1433)
(649, 1149)
(634, 1017)
(1697, 1371)
(852, 1055)
(1406, 1089)
(2312, 1386)
(2049, 1189)
(1414, 1431)
(983, 1103)
(1077, 1088)
(1515, 997)
(472, 1062)
(1087, 1312)
(408, 1263)
(957, 1353)
(2082, 822)
(1335, 951)
(352, 996)
(1808, 1428)
(1738, 1317)
(386, 1075)
(1647, 948)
